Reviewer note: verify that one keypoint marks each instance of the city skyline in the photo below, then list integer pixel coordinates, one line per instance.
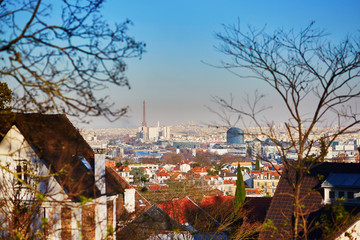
(174, 76)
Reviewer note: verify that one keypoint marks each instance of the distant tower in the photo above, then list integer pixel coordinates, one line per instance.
(144, 121)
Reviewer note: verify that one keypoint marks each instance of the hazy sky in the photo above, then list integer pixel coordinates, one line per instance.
(179, 35)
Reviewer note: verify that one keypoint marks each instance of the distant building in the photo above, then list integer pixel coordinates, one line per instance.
(235, 136)
(146, 133)
(235, 148)
(186, 145)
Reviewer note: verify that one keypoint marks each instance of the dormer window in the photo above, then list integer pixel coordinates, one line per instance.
(344, 186)
(350, 195)
(341, 194)
(332, 194)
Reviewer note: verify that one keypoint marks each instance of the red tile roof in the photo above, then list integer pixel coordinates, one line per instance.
(181, 209)
(178, 175)
(122, 169)
(198, 170)
(110, 163)
(157, 187)
(162, 174)
(229, 182)
(251, 191)
(216, 200)
(222, 206)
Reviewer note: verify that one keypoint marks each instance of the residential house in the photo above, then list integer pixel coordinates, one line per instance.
(266, 180)
(178, 176)
(124, 172)
(244, 165)
(152, 167)
(323, 186)
(176, 169)
(229, 187)
(45, 161)
(254, 192)
(185, 167)
(199, 170)
(129, 202)
(161, 177)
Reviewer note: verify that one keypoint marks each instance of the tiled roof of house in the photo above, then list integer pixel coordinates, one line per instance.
(110, 163)
(252, 191)
(311, 198)
(216, 200)
(121, 169)
(229, 182)
(222, 206)
(181, 210)
(57, 142)
(198, 170)
(162, 174)
(178, 175)
(211, 177)
(228, 174)
(152, 222)
(157, 187)
(187, 212)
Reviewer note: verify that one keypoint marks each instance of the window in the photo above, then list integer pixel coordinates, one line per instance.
(273, 184)
(258, 184)
(350, 195)
(341, 194)
(273, 177)
(332, 194)
(265, 177)
(22, 171)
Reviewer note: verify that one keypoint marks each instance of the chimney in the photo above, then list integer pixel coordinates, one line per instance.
(129, 199)
(144, 116)
(100, 169)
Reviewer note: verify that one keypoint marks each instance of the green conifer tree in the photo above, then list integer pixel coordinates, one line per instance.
(240, 192)
(257, 166)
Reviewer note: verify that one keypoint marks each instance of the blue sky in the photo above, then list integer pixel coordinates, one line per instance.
(171, 76)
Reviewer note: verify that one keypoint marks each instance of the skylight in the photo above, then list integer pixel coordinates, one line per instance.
(86, 163)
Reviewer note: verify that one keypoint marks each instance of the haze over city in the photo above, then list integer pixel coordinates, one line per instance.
(174, 76)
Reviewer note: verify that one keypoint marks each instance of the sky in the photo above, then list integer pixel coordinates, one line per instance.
(174, 75)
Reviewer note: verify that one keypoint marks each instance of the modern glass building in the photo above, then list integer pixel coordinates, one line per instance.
(235, 136)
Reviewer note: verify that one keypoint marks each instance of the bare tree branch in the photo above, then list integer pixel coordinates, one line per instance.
(60, 56)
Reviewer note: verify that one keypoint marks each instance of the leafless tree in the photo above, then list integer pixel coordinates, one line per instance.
(300, 67)
(60, 54)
